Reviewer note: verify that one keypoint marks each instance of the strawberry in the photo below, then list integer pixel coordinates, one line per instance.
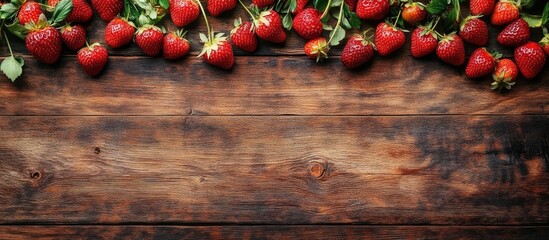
(217, 51)
(481, 7)
(74, 37)
(81, 12)
(243, 35)
(388, 38)
(505, 12)
(372, 10)
(300, 6)
(44, 42)
(263, 3)
(351, 4)
(307, 23)
(183, 12)
(475, 31)
(450, 50)
(357, 51)
(317, 48)
(413, 13)
(108, 9)
(544, 43)
(29, 12)
(505, 74)
(481, 63)
(424, 41)
(53, 3)
(150, 39)
(515, 34)
(530, 59)
(269, 27)
(175, 45)
(216, 7)
(93, 59)
(119, 32)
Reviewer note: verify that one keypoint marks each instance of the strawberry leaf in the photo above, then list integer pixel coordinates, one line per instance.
(545, 15)
(338, 35)
(345, 23)
(17, 30)
(336, 3)
(534, 21)
(164, 3)
(61, 11)
(287, 21)
(320, 5)
(355, 20)
(8, 11)
(12, 67)
(437, 6)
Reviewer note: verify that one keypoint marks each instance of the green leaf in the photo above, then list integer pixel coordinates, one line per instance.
(17, 2)
(545, 15)
(292, 6)
(336, 3)
(164, 3)
(320, 5)
(327, 27)
(534, 21)
(12, 67)
(61, 11)
(345, 23)
(287, 21)
(528, 3)
(437, 6)
(8, 11)
(451, 21)
(338, 35)
(355, 21)
(17, 30)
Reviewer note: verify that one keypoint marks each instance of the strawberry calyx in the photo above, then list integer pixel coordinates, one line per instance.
(237, 23)
(211, 44)
(500, 82)
(320, 48)
(447, 37)
(90, 47)
(430, 28)
(36, 26)
(467, 19)
(147, 27)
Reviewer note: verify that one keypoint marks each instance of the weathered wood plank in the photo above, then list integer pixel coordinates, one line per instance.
(270, 232)
(271, 170)
(264, 86)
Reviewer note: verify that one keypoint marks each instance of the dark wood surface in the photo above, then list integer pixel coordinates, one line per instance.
(277, 148)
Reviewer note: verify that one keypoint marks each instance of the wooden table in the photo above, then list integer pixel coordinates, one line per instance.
(277, 148)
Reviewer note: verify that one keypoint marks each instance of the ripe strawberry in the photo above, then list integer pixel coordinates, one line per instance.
(74, 37)
(216, 7)
(217, 51)
(29, 12)
(175, 45)
(481, 7)
(505, 74)
(505, 12)
(474, 30)
(530, 59)
(300, 6)
(413, 13)
(269, 27)
(372, 10)
(108, 9)
(357, 51)
(450, 50)
(119, 32)
(515, 34)
(351, 4)
(388, 38)
(93, 59)
(81, 12)
(317, 48)
(481, 63)
(150, 39)
(44, 42)
(424, 41)
(243, 35)
(183, 12)
(307, 23)
(263, 3)
(544, 43)
(53, 3)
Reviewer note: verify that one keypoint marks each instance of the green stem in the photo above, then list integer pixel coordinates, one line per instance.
(8, 42)
(398, 17)
(247, 10)
(337, 24)
(327, 9)
(210, 34)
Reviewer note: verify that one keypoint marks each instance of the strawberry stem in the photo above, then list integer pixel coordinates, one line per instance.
(398, 17)
(340, 16)
(210, 35)
(247, 10)
(8, 42)
(327, 9)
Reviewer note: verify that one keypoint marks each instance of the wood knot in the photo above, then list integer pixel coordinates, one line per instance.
(97, 150)
(317, 170)
(35, 175)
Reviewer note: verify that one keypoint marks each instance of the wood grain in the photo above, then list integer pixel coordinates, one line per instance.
(269, 232)
(459, 170)
(264, 86)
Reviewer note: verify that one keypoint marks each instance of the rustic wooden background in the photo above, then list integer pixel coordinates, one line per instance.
(277, 148)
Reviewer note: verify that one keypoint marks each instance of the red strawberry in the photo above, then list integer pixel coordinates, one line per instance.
(388, 38)
(81, 12)
(183, 12)
(93, 59)
(317, 48)
(357, 51)
(505, 74)
(217, 51)
(480, 64)
(53, 3)
(29, 12)
(505, 12)
(175, 45)
(300, 6)
(74, 37)
(450, 49)
(515, 34)
(243, 35)
(544, 43)
(413, 13)
(44, 42)
(424, 41)
(108, 9)
(351, 4)
(119, 32)
(474, 30)
(481, 7)
(216, 7)
(372, 10)
(307, 23)
(269, 27)
(150, 39)
(263, 3)
(530, 59)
